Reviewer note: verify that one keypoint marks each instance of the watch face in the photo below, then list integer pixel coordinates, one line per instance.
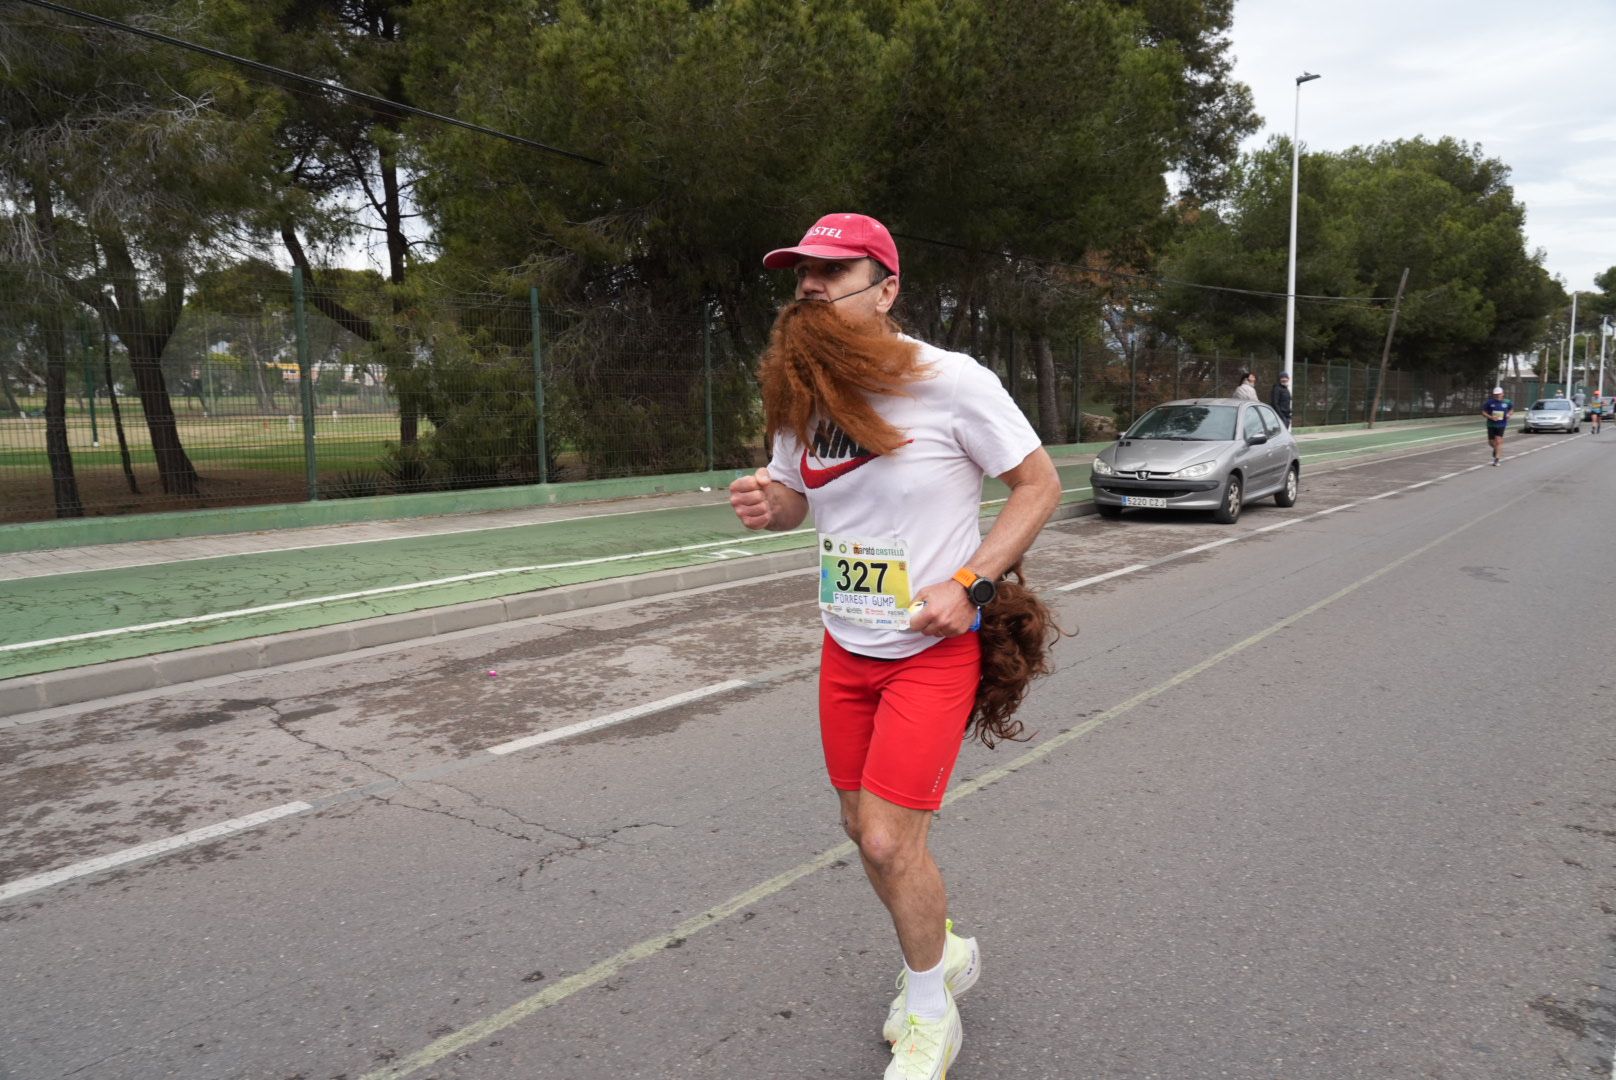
(982, 592)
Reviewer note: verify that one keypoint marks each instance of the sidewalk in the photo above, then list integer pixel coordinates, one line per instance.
(84, 622)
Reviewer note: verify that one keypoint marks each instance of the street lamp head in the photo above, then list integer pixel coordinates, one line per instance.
(1306, 77)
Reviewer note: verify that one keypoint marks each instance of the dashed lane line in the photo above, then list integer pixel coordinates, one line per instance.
(1136, 567)
(23, 886)
(529, 741)
(1101, 577)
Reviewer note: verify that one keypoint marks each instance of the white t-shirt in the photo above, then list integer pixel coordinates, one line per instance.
(918, 505)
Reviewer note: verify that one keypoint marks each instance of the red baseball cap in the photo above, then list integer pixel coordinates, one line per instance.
(840, 236)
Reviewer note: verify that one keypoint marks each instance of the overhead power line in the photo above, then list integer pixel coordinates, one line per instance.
(1153, 279)
(389, 105)
(320, 84)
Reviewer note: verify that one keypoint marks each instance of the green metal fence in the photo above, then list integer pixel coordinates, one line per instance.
(294, 396)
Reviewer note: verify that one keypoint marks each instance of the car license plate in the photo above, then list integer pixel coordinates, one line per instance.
(1145, 501)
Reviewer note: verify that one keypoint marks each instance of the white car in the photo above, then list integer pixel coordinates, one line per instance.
(1553, 414)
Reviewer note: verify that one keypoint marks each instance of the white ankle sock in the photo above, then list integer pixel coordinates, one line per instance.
(927, 997)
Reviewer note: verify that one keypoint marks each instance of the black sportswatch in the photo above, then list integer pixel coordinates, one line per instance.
(981, 590)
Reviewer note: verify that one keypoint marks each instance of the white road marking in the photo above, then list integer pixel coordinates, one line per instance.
(527, 742)
(145, 851)
(1099, 578)
(1270, 528)
(361, 594)
(208, 833)
(1208, 547)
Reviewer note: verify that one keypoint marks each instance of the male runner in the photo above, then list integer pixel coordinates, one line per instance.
(886, 440)
(1497, 409)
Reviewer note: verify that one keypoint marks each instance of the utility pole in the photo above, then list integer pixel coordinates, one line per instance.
(1386, 351)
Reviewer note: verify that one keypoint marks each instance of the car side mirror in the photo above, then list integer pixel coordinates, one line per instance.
(1256, 440)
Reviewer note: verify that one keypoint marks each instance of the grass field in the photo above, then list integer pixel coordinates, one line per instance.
(241, 460)
(250, 442)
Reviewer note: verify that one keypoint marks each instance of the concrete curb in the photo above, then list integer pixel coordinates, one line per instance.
(72, 686)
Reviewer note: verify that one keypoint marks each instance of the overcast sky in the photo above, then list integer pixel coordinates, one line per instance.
(1530, 82)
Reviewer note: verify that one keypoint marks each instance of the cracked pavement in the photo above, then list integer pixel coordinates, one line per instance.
(1352, 850)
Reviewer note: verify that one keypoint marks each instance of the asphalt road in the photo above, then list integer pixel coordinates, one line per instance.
(1334, 799)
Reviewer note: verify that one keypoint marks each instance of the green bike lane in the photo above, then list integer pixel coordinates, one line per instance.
(68, 620)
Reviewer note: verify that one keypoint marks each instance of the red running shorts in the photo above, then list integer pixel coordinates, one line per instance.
(894, 727)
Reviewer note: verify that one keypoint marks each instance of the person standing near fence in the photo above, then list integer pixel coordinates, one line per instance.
(1247, 390)
(886, 440)
(1497, 409)
(1280, 398)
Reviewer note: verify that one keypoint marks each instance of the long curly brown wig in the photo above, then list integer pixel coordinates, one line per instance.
(1018, 632)
(819, 364)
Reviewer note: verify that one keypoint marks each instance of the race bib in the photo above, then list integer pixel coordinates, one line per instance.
(865, 581)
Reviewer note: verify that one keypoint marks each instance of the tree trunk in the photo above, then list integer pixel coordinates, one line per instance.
(117, 415)
(964, 305)
(174, 469)
(1049, 424)
(64, 485)
(144, 328)
(409, 408)
(13, 408)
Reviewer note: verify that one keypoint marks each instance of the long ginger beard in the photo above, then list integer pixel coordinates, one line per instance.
(820, 365)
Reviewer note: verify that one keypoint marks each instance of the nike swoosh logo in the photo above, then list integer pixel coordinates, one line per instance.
(818, 478)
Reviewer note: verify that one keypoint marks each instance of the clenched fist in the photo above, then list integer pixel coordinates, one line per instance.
(749, 498)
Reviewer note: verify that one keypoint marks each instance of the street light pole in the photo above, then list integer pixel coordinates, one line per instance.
(1604, 336)
(1566, 370)
(1290, 280)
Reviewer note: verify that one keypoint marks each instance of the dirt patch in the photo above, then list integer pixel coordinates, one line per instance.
(104, 492)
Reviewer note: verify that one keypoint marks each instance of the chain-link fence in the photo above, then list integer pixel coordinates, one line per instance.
(299, 397)
(292, 394)
(1100, 390)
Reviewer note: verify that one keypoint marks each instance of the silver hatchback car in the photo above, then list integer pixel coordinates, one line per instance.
(1553, 414)
(1202, 454)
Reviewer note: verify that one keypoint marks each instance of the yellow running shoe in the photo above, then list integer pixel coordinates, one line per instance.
(962, 966)
(926, 1048)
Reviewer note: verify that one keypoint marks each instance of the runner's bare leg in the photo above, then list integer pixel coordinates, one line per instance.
(892, 845)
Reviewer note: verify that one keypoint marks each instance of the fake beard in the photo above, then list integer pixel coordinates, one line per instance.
(819, 365)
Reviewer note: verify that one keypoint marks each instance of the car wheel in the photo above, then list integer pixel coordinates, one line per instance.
(1286, 496)
(1228, 512)
(1106, 510)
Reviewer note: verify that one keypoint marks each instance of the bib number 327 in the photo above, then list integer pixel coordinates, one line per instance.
(865, 581)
